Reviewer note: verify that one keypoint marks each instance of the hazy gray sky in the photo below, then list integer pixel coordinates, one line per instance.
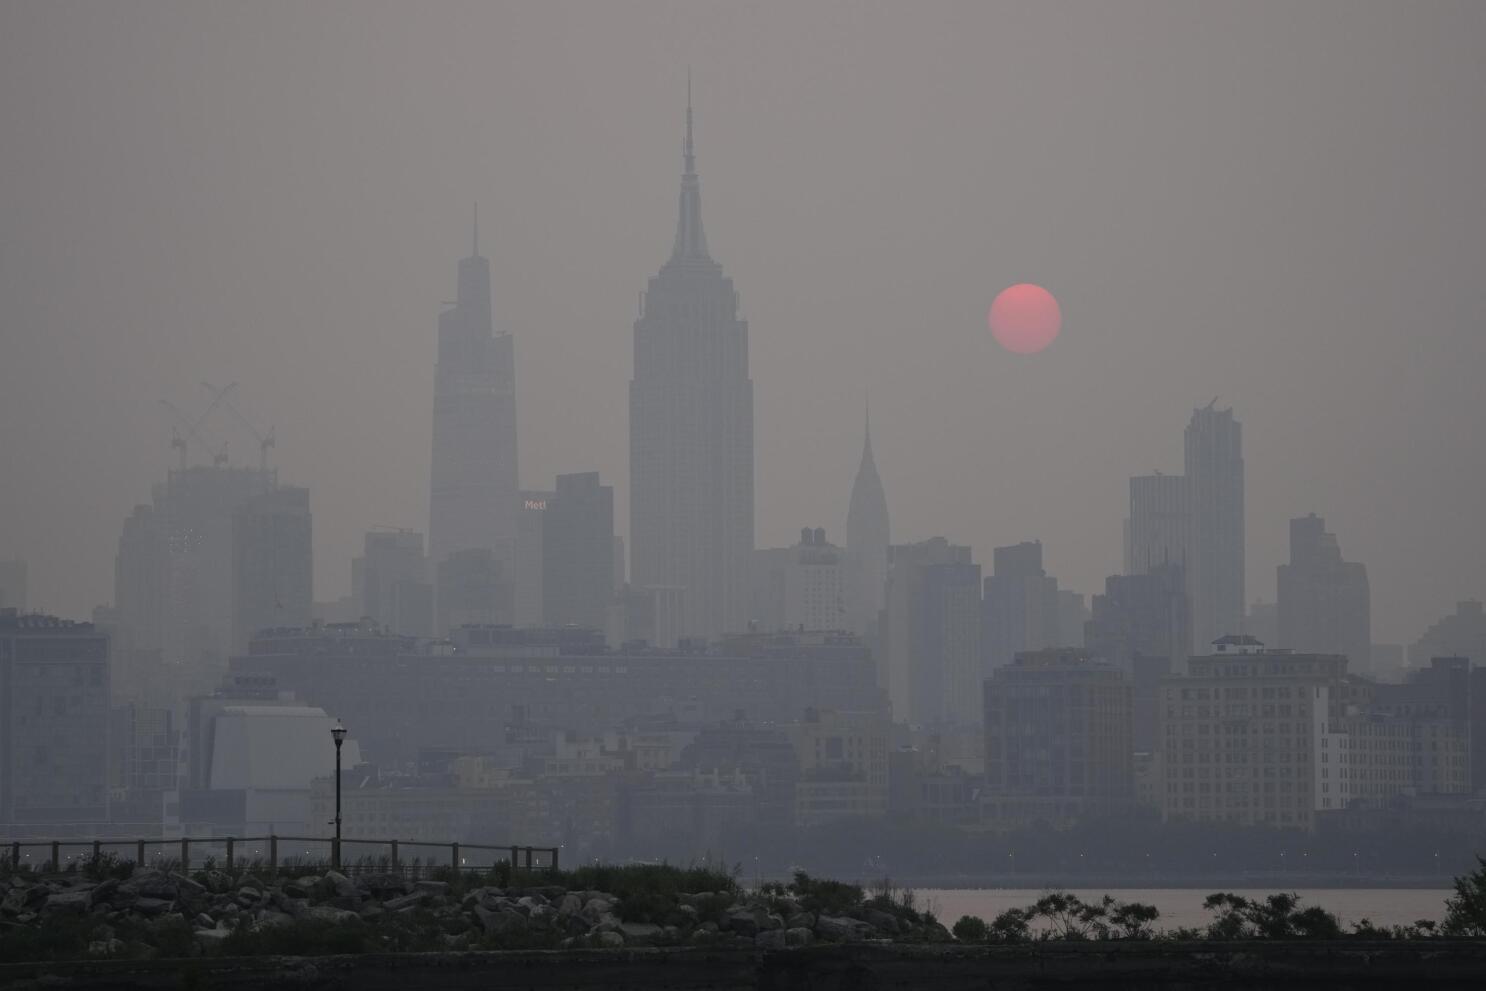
(1275, 203)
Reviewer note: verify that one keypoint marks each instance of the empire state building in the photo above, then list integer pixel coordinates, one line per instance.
(691, 436)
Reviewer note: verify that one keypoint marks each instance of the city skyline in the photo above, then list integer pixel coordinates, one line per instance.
(808, 360)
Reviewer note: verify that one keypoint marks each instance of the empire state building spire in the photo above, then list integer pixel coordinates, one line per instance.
(691, 242)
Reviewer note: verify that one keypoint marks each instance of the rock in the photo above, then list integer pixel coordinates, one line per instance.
(20, 898)
(335, 916)
(609, 940)
(529, 902)
(211, 937)
(269, 919)
(570, 905)
(688, 914)
(800, 920)
(341, 886)
(437, 889)
(841, 930)
(596, 907)
(298, 888)
(105, 947)
(743, 921)
(500, 923)
(371, 910)
(105, 891)
(153, 906)
(150, 883)
(549, 892)
(798, 936)
(217, 882)
(204, 921)
(770, 939)
(642, 933)
(406, 901)
(542, 917)
(885, 921)
(68, 902)
(768, 920)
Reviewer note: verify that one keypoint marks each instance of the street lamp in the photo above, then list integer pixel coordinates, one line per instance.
(338, 733)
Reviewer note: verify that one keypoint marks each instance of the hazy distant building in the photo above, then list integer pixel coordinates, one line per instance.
(272, 563)
(1141, 624)
(1073, 613)
(930, 657)
(54, 716)
(1020, 605)
(814, 580)
(1461, 634)
(691, 437)
(1263, 621)
(843, 758)
(868, 537)
(472, 501)
(1160, 522)
(578, 552)
(144, 762)
(396, 590)
(1057, 738)
(13, 585)
(1215, 549)
(1324, 601)
(473, 588)
(527, 581)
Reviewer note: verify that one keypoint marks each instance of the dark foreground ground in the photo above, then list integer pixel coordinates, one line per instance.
(1432, 963)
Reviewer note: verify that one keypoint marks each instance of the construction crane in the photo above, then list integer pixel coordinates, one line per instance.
(193, 431)
(265, 441)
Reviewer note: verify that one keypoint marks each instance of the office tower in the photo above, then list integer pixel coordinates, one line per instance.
(1262, 622)
(1020, 605)
(13, 585)
(396, 592)
(1057, 738)
(843, 765)
(272, 563)
(814, 597)
(527, 581)
(578, 552)
(1160, 522)
(144, 762)
(1324, 601)
(1073, 613)
(691, 436)
(930, 664)
(54, 711)
(472, 501)
(867, 541)
(1215, 550)
(472, 588)
(1141, 624)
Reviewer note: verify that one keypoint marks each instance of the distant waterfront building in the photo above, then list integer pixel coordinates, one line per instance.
(868, 537)
(1324, 601)
(1215, 549)
(801, 587)
(396, 592)
(930, 659)
(272, 563)
(843, 760)
(1263, 621)
(473, 487)
(1272, 737)
(13, 585)
(54, 722)
(1160, 522)
(578, 552)
(144, 762)
(473, 588)
(691, 437)
(1073, 613)
(1057, 738)
(1020, 605)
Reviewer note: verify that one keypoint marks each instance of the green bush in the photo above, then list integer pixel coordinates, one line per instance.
(970, 929)
(825, 897)
(1465, 912)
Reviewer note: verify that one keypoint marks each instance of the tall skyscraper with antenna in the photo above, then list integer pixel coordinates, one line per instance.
(472, 498)
(691, 436)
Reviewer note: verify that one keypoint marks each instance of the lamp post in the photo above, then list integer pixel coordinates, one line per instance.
(337, 733)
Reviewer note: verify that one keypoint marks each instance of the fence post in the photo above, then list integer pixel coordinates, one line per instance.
(273, 854)
(229, 853)
(454, 853)
(15, 855)
(554, 860)
(514, 864)
(139, 855)
(56, 856)
(97, 852)
(185, 856)
(394, 855)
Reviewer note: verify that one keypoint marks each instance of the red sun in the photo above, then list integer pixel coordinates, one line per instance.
(1024, 318)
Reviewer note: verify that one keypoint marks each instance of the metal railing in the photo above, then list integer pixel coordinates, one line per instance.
(280, 853)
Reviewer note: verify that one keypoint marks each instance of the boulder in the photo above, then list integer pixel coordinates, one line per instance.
(609, 940)
(269, 919)
(204, 921)
(298, 887)
(841, 930)
(335, 916)
(884, 921)
(211, 937)
(339, 885)
(105, 891)
(570, 904)
(798, 936)
(21, 898)
(405, 902)
(745, 921)
(500, 923)
(770, 939)
(595, 908)
(105, 947)
(641, 933)
(150, 883)
(74, 902)
(436, 889)
(800, 920)
(217, 882)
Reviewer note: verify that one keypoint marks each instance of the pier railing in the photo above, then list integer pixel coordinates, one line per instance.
(277, 854)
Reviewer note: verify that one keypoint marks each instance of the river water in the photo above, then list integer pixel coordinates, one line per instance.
(1183, 906)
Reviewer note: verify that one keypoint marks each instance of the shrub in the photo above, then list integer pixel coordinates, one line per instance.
(825, 897)
(971, 929)
(1465, 912)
